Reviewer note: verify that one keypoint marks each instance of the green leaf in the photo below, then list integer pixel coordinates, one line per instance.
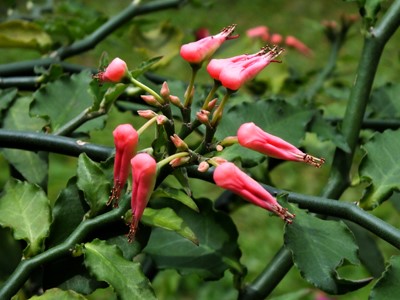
(388, 286)
(94, 181)
(384, 102)
(63, 100)
(145, 66)
(68, 212)
(380, 168)
(6, 96)
(25, 209)
(319, 247)
(175, 194)
(167, 218)
(59, 294)
(33, 166)
(23, 34)
(217, 250)
(106, 263)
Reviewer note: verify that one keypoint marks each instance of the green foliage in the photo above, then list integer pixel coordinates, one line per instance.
(387, 287)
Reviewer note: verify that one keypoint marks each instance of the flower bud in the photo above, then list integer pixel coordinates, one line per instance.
(179, 161)
(261, 32)
(175, 101)
(276, 39)
(202, 116)
(212, 104)
(179, 143)
(164, 92)
(150, 100)
(115, 71)
(147, 114)
(203, 167)
(161, 119)
(293, 42)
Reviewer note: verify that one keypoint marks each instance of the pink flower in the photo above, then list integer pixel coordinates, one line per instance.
(261, 32)
(201, 33)
(276, 39)
(125, 140)
(253, 137)
(293, 42)
(235, 71)
(197, 52)
(230, 177)
(144, 173)
(115, 71)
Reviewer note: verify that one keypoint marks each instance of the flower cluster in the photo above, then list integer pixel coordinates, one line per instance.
(231, 73)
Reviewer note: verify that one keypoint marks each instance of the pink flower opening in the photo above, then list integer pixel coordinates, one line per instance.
(144, 173)
(228, 176)
(253, 137)
(125, 140)
(115, 71)
(197, 52)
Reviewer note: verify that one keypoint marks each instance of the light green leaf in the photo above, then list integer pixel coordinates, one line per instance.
(175, 194)
(217, 250)
(167, 218)
(33, 166)
(388, 286)
(63, 100)
(319, 247)
(59, 294)
(106, 263)
(23, 34)
(25, 209)
(95, 183)
(380, 168)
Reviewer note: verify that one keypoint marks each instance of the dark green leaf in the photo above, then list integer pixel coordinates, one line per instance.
(106, 263)
(10, 253)
(6, 96)
(175, 194)
(33, 166)
(61, 101)
(380, 168)
(102, 294)
(25, 209)
(167, 218)
(319, 247)
(183, 178)
(145, 66)
(59, 295)
(384, 102)
(23, 34)
(94, 182)
(388, 286)
(217, 250)
(68, 212)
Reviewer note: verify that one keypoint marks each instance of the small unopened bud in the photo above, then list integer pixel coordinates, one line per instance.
(147, 114)
(218, 160)
(276, 39)
(164, 92)
(150, 100)
(175, 101)
(203, 166)
(212, 104)
(161, 119)
(229, 141)
(219, 148)
(179, 161)
(179, 143)
(202, 116)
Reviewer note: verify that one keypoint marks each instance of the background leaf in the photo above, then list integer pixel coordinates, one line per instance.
(25, 208)
(388, 286)
(380, 168)
(175, 194)
(383, 102)
(106, 263)
(217, 249)
(319, 247)
(59, 294)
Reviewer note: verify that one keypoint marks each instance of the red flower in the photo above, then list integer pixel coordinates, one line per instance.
(235, 71)
(144, 173)
(253, 137)
(115, 71)
(197, 52)
(230, 177)
(261, 32)
(125, 140)
(293, 42)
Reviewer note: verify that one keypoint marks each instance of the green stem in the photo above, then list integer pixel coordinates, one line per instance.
(189, 91)
(219, 111)
(167, 160)
(147, 89)
(211, 94)
(146, 125)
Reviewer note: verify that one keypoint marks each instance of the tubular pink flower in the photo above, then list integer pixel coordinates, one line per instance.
(125, 140)
(293, 42)
(197, 52)
(144, 173)
(215, 66)
(115, 71)
(261, 32)
(230, 177)
(253, 137)
(276, 39)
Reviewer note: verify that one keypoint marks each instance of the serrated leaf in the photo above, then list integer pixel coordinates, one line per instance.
(175, 194)
(380, 168)
(59, 294)
(94, 182)
(167, 218)
(106, 263)
(33, 166)
(388, 286)
(25, 209)
(318, 248)
(23, 34)
(63, 100)
(217, 250)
